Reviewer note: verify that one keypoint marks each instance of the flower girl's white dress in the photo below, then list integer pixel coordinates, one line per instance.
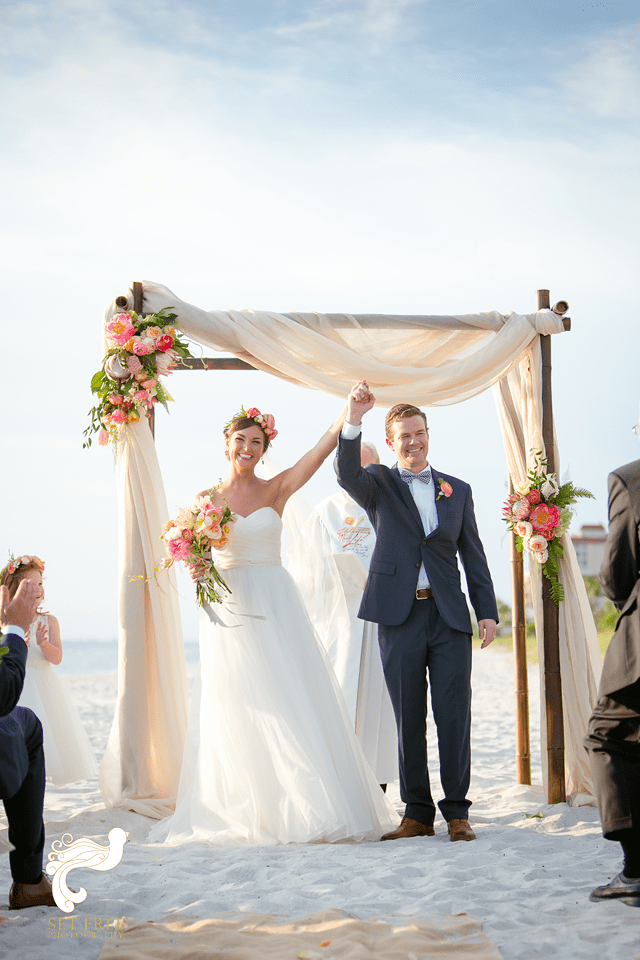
(68, 754)
(271, 756)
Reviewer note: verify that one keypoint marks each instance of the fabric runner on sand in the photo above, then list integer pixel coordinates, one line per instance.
(327, 935)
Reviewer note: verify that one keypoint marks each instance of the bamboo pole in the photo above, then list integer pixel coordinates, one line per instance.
(556, 789)
(519, 628)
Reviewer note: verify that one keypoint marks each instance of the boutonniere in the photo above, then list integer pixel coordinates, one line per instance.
(445, 489)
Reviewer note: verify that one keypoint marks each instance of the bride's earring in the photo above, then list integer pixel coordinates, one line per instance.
(262, 461)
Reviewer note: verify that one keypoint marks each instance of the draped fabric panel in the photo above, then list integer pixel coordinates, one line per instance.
(141, 766)
(429, 361)
(518, 401)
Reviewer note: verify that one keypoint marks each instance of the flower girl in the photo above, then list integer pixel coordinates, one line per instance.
(68, 753)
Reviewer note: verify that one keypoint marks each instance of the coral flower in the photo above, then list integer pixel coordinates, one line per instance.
(534, 496)
(120, 328)
(545, 517)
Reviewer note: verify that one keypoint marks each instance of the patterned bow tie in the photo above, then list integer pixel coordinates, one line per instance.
(424, 476)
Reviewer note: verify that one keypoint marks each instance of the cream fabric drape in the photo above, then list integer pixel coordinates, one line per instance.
(429, 361)
(519, 408)
(141, 765)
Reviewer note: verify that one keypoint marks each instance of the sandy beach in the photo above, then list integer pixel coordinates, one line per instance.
(526, 879)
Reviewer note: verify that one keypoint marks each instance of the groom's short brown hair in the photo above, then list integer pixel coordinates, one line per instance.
(402, 411)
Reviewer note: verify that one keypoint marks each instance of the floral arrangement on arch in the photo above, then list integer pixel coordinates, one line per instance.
(140, 351)
(539, 512)
(192, 536)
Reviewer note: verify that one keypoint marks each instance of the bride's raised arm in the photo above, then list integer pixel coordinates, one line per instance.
(296, 476)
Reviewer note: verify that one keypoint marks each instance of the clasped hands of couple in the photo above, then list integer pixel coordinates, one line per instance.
(411, 446)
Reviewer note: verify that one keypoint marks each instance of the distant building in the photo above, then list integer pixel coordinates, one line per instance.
(589, 544)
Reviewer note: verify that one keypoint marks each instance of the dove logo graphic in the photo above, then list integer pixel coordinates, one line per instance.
(68, 855)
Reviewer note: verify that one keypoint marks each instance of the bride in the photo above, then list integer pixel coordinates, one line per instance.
(270, 755)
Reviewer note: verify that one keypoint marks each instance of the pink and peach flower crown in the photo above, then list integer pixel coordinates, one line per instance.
(265, 420)
(16, 562)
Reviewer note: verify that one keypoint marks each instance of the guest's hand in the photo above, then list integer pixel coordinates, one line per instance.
(487, 632)
(20, 611)
(359, 401)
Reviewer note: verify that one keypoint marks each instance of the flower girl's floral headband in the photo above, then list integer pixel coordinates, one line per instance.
(265, 420)
(16, 562)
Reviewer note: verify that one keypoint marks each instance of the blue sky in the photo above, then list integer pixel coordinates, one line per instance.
(383, 155)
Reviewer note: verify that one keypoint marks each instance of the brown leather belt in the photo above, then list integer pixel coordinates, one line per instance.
(424, 594)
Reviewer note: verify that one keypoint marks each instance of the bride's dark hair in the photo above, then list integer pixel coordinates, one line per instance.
(241, 423)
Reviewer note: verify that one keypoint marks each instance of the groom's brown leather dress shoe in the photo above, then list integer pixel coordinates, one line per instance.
(460, 830)
(24, 895)
(409, 828)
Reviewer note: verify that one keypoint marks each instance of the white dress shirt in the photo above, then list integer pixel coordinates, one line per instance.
(424, 495)
(12, 628)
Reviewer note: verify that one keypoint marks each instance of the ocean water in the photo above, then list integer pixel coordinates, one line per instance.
(88, 658)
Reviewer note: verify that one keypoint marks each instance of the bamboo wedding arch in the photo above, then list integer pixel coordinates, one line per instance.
(428, 360)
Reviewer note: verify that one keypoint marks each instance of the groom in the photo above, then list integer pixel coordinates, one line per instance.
(423, 520)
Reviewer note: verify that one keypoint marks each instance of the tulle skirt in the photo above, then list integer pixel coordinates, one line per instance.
(271, 756)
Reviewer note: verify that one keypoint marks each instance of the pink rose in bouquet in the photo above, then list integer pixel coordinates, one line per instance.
(164, 343)
(537, 546)
(115, 398)
(534, 496)
(179, 549)
(140, 348)
(119, 416)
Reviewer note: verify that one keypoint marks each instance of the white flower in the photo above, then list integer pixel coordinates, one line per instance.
(523, 529)
(523, 487)
(550, 487)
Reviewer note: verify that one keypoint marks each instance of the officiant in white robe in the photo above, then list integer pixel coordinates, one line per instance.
(348, 539)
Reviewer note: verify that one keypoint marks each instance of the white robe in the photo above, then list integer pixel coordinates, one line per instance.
(348, 540)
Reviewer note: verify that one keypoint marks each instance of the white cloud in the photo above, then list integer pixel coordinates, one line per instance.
(605, 79)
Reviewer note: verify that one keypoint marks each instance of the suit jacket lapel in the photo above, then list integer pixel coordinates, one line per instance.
(442, 503)
(405, 493)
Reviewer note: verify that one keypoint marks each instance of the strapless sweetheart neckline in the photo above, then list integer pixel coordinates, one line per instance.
(253, 513)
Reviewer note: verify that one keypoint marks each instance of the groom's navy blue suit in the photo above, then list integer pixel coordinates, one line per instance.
(22, 773)
(417, 636)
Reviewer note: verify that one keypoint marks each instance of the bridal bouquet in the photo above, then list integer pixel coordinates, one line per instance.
(140, 351)
(539, 512)
(192, 537)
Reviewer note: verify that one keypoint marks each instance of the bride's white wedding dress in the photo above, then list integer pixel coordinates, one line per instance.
(270, 755)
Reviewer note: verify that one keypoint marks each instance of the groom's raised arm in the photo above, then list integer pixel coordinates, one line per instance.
(351, 475)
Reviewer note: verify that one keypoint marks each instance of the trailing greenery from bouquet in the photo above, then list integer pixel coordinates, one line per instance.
(140, 351)
(539, 512)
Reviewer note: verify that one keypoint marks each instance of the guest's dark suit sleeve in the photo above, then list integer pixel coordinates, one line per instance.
(619, 571)
(12, 669)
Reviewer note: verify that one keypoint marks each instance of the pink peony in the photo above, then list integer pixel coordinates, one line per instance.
(115, 399)
(118, 416)
(103, 438)
(545, 517)
(164, 343)
(179, 549)
(534, 496)
(140, 395)
(253, 412)
(140, 348)
(119, 329)
(134, 364)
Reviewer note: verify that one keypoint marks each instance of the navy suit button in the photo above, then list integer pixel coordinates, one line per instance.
(424, 543)
(417, 564)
